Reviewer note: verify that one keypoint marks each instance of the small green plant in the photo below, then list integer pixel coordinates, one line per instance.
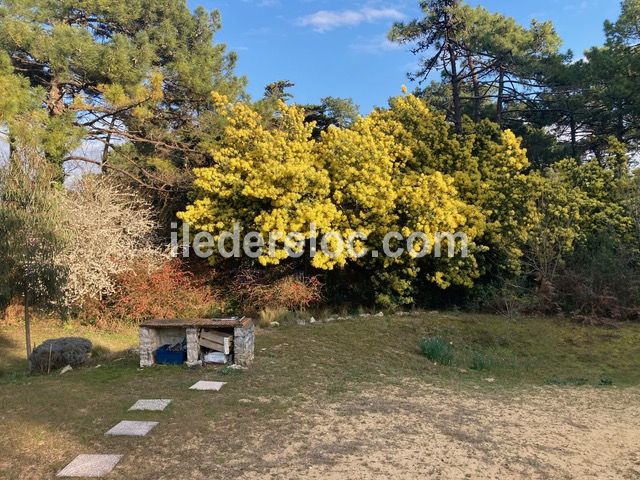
(227, 370)
(480, 361)
(437, 349)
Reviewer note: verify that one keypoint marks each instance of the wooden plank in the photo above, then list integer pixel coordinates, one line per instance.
(217, 333)
(216, 336)
(218, 347)
(222, 339)
(213, 340)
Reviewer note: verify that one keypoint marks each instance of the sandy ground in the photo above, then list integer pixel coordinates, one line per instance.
(425, 432)
(408, 432)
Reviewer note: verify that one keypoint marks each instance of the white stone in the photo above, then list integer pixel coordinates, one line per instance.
(205, 385)
(66, 369)
(132, 429)
(157, 405)
(237, 367)
(90, 466)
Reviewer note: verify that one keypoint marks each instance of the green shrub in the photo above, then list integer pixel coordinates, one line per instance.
(480, 361)
(437, 349)
(601, 280)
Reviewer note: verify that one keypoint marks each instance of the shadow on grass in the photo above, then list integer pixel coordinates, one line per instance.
(12, 356)
(70, 413)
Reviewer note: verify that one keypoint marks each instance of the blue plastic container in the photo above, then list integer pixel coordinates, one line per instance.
(164, 356)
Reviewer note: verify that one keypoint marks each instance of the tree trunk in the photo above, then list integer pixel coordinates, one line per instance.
(574, 136)
(477, 101)
(620, 130)
(55, 100)
(500, 103)
(27, 324)
(455, 90)
(455, 79)
(107, 145)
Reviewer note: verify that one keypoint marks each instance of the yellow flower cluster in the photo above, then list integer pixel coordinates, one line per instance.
(395, 170)
(266, 178)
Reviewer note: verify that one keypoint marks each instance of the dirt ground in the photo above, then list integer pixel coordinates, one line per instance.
(424, 432)
(407, 432)
(352, 400)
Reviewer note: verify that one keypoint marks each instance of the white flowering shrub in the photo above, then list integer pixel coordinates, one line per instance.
(109, 229)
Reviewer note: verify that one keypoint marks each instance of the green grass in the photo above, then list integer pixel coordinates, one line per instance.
(481, 361)
(324, 362)
(437, 349)
(525, 351)
(106, 344)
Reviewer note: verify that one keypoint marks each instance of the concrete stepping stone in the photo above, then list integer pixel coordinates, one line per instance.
(129, 428)
(151, 405)
(90, 466)
(205, 385)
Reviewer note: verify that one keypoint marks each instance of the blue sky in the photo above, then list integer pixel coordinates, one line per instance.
(339, 48)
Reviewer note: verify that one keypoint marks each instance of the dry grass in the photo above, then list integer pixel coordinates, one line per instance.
(268, 315)
(348, 399)
(12, 345)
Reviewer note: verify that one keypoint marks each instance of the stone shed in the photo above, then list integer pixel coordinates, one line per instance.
(240, 333)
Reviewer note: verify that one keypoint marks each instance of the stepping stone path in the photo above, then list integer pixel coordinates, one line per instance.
(90, 466)
(101, 465)
(150, 405)
(204, 385)
(132, 429)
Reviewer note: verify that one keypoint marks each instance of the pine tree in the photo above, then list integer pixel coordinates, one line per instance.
(132, 77)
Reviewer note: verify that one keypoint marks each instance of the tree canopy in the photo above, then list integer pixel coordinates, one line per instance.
(129, 77)
(528, 150)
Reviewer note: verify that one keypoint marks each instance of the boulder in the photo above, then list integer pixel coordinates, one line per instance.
(58, 353)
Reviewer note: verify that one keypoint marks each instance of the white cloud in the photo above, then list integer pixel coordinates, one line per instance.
(325, 20)
(264, 3)
(579, 7)
(378, 44)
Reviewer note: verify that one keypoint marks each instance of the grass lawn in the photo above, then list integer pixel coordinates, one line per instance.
(302, 375)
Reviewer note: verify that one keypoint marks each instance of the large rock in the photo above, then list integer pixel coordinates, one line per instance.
(60, 352)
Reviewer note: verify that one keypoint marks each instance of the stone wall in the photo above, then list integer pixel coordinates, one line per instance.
(193, 347)
(244, 339)
(152, 338)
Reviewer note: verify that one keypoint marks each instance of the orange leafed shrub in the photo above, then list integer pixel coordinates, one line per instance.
(168, 292)
(291, 292)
